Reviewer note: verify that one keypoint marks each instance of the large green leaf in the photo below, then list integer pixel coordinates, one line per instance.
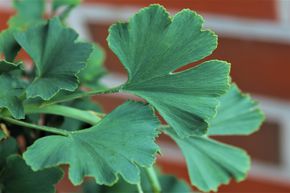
(18, 177)
(237, 114)
(57, 56)
(115, 146)
(211, 163)
(9, 97)
(29, 12)
(152, 46)
(169, 184)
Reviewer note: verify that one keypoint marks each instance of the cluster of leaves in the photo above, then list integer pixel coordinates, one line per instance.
(118, 148)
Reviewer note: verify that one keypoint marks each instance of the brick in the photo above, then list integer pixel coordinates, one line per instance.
(258, 9)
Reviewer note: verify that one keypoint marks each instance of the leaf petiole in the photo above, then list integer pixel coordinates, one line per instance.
(82, 95)
(152, 176)
(37, 127)
(139, 188)
(85, 116)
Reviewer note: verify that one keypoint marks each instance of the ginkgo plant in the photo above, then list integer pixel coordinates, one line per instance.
(48, 118)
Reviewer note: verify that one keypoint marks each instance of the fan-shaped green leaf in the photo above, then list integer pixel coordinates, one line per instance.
(152, 46)
(237, 114)
(9, 98)
(29, 12)
(211, 163)
(57, 56)
(18, 177)
(120, 142)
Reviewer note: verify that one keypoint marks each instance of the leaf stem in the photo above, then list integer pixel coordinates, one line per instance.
(152, 176)
(82, 95)
(139, 188)
(37, 127)
(85, 116)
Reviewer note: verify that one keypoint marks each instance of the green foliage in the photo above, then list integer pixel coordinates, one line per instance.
(169, 184)
(29, 12)
(152, 46)
(16, 176)
(237, 114)
(211, 163)
(58, 72)
(94, 69)
(10, 99)
(8, 45)
(116, 149)
(114, 146)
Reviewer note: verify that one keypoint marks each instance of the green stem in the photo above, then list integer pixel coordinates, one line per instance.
(37, 127)
(139, 187)
(85, 116)
(82, 95)
(156, 188)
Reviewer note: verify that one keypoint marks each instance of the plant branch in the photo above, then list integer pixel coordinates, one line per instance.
(85, 116)
(139, 188)
(152, 176)
(82, 95)
(37, 127)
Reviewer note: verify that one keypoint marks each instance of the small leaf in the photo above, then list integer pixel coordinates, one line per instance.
(7, 148)
(57, 56)
(237, 114)
(120, 142)
(94, 70)
(152, 46)
(9, 98)
(29, 12)
(6, 66)
(211, 163)
(8, 45)
(58, 3)
(18, 177)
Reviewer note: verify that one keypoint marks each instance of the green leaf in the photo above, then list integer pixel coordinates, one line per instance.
(237, 114)
(2, 135)
(123, 140)
(29, 12)
(152, 46)
(211, 163)
(67, 4)
(10, 98)
(94, 70)
(58, 3)
(18, 177)
(8, 45)
(7, 147)
(169, 184)
(57, 56)
(6, 66)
